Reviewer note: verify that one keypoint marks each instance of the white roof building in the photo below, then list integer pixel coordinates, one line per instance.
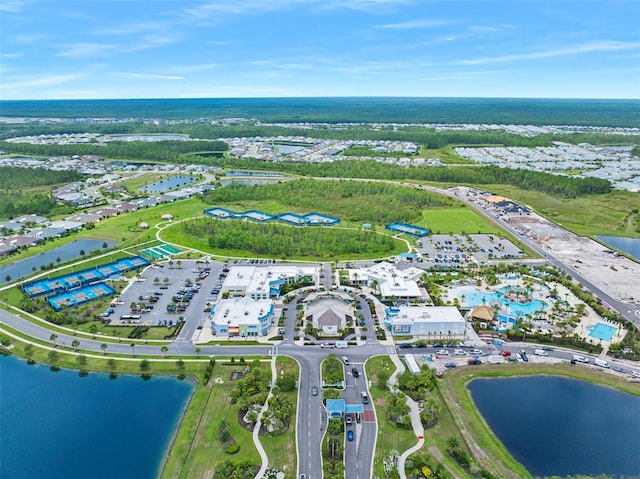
(328, 311)
(264, 282)
(437, 321)
(390, 281)
(242, 317)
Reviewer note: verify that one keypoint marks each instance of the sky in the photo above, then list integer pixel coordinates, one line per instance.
(94, 49)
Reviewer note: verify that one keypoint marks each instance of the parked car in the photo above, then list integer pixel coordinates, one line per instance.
(525, 358)
(350, 434)
(345, 360)
(365, 397)
(474, 361)
(505, 353)
(450, 365)
(442, 352)
(459, 352)
(405, 345)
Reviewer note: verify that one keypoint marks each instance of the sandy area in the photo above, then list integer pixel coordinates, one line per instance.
(618, 276)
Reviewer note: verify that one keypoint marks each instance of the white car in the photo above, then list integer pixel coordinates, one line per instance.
(459, 352)
(442, 352)
(476, 352)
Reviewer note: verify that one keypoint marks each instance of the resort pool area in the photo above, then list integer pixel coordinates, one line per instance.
(474, 297)
(603, 332)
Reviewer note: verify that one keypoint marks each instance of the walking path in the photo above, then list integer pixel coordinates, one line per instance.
(256, 429)
(418, 429)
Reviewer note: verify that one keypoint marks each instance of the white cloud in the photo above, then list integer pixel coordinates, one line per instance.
(148, 76)
(85, 49)
(11, 6)
(26, 83)
(415, 24)
(151, 41)
(601, 46)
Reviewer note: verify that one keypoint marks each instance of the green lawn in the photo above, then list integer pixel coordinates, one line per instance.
(457, 220)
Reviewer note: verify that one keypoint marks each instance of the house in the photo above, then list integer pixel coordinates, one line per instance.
(33, 219)
(144, 225)
(103, 213)
(166, 217)
(84, 218)
(22, 241)
(47, 233)
(67, 225)
(7, 249)
(241, 317)
(125, 207)
(438, 322)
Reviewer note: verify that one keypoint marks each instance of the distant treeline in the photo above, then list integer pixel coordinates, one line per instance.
(430, 138)
(567, 187)
(355, 201)
(17, 203)
(356, 109)
(15, 178)
(163, 151)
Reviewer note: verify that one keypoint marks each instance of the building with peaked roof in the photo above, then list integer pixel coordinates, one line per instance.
(328, 311)
(31, 219)
(241, 317)
(47, 233)
(84, 218)
(438, 322)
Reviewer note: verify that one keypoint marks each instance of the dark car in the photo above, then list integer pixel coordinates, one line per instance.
(355, 372)
(438, 345)
(450, 365)
(405, 346)
(474, 361)
(350, 434)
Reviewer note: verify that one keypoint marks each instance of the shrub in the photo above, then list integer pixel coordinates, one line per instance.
(232, 449)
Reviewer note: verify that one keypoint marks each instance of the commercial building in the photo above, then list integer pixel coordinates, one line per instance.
(328, 311)
(241, 317)
(264, 282)
(431, 321)
(390, 282)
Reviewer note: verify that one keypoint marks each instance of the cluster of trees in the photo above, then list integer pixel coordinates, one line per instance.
(564, 186)
(16, 178)
(345, 199)
(251, 389)
(398, 409)
(333, 450)
(332, 370)
(286, 241)
(236, 470)
(165, 151)
(417, 386)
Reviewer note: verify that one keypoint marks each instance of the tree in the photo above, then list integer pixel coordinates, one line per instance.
(198, 351)
(164, 350)
(383, 379)
(144, 365)
(179, 263)
(287, 382)
(452, 443)
(7, 278)
(103, 346)
(180, 364)
(82, 253)
(53, 338)
(165, 280)
(75, 344)
(156, 280)
(93, 329)
(81, 360)
(133, 349)
(53, 357)
(28, 352)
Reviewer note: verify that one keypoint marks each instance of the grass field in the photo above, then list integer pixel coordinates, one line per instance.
(457, 220)
(446, 155)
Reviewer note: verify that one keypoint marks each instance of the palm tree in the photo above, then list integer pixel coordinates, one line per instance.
(53, 338)
(179, 263)
(93, 329)
(75, 344)
(103, 346)
(133, 349)
(164, 350)
(198, 350)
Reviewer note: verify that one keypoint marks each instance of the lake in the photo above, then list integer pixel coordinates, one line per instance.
(61, 425)
(168, 184)
(560, 426)
(628, 245)
(65, 252)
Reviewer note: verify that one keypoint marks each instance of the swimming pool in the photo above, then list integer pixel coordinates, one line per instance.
(474, 297)
(603, 332)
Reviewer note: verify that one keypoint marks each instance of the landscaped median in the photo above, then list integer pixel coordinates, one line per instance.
(332, 372)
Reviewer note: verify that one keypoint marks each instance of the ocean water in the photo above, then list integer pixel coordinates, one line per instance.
(347, 109)
(60, 425)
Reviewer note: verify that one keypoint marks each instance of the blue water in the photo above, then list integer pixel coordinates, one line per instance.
(603, 331)
(287, 149)
(60, 425)
(628, 245)
(247, 182)
(168, 184)
(560, 426)
(66, 252)
(473, 298)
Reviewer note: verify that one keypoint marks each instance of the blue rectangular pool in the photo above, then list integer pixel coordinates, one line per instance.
(603, 332)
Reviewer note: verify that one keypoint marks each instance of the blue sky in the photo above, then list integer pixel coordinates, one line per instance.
(274, 48)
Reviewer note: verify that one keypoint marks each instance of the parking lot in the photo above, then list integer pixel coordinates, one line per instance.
(456, 250)
(161, 295)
